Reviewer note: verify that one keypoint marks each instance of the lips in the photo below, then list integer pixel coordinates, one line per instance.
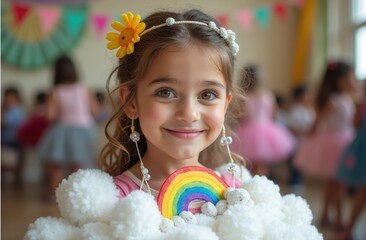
(185, 133)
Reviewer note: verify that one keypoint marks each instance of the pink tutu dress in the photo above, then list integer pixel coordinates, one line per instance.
(261, 139)
(319, 153)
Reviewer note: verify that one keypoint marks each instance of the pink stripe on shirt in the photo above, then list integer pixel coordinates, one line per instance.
(125, 185)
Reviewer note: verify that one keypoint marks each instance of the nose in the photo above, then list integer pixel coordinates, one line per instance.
(188, 111)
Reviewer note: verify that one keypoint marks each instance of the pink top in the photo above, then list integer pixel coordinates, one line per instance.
(73, 105)
(259, 107)
(341, 117)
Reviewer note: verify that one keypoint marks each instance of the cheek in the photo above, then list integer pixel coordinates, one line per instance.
(151, 112)
(151, 116)
(217, 118)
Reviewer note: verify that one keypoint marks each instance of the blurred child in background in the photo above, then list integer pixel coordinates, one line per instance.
(262, 140)
(300, 119)
(352, 168)
(332, 131)
(70, 142)
(12, 116)
(33, 128)
(282, 109)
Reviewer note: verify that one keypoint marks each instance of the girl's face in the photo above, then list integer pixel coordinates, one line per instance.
(347, 82)
(11, 99)
(181, 103)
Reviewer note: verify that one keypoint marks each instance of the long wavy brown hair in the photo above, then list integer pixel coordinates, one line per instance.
(119, 154)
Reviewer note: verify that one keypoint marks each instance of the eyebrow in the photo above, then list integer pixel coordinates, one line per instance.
(174, 80)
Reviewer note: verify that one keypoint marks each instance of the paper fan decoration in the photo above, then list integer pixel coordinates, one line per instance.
(186, 185)
(33, 36)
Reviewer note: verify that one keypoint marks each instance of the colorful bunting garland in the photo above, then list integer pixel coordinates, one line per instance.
(54, 1)
(34, 36)
(260, 14)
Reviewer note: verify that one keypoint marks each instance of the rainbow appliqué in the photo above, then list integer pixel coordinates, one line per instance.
(186, 185)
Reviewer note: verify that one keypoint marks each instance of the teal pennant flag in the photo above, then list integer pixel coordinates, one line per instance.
(262, 14)
(75, 20)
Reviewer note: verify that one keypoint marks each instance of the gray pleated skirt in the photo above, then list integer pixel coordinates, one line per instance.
(68, 145)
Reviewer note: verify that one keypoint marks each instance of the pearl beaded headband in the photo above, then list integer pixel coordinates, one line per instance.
(133, 29)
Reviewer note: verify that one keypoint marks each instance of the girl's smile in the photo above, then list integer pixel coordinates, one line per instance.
(188, 134)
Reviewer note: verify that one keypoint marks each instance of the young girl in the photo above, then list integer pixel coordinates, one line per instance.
(261, 139)
(70, 142)
(176, 93)
(176, 100)
(352, 168)
(332, 131)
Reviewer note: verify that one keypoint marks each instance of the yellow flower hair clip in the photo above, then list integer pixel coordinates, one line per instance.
(127, 36)
(133, 29)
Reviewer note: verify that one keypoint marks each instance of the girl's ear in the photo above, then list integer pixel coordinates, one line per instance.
(131, 108)
(228, 100)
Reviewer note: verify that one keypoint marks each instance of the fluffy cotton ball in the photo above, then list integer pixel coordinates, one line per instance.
(227, 190)
(136, 216)
(268, 214)
(241, 173)
(97, 231)
(262, 190)
(188, 217)
(266, 197)
(296, 210)
(45, 228)
(221, 207)
(178, 221)
(285, 231)
(240, 222)
(87, 196)
(276, 231)
(306, 231)
(239, 196)
(204, 220)
(166, 225)
(190, 231)
(209, 209)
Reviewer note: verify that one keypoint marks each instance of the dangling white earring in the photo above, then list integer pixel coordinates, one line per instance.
(226, 141)
(135, 137)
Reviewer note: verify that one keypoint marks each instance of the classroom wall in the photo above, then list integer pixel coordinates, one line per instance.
(270, 46)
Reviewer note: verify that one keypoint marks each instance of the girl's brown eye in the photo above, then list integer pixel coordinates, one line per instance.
(165, 93)
(209, 95)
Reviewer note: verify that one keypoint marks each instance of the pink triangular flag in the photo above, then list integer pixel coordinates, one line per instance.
(245, 18)
(100, 23)
(223, 19)
(49, 17)
(280, 11)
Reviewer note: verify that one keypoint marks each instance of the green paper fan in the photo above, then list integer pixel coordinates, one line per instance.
(33, 36)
